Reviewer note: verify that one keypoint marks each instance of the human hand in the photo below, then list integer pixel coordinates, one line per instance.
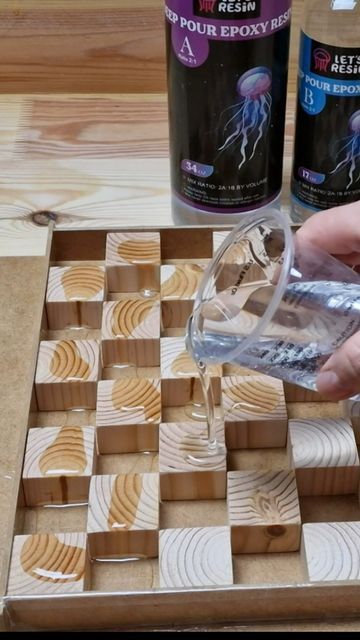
(337, 231)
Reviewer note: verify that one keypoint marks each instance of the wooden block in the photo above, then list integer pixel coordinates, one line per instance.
(324, 455)
(66, 375)
(331, 551)
(133, 261)
(74, 296)
(44, 564)
(58, 465)
(179, 285)
(351, 413)
(128, 415)
(181, 476)
(264, 512)
(294, 393)
(123, 517)
(180, 377)
(199, 557)
(254, 412)
(131, 332)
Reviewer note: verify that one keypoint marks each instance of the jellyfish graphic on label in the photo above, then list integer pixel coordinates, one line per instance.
(250, 117)
(348, 157)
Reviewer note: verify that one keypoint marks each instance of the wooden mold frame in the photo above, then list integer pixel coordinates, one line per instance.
(279, 536)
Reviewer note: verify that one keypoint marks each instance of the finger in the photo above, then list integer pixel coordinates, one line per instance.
(340, 376)
(337, 231)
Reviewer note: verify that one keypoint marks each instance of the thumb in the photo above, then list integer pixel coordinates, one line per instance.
(340, 376)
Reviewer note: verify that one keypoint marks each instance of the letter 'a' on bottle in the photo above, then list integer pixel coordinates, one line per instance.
(227, 66)
(326, 161)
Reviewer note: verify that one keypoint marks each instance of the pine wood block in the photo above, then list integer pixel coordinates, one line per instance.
(264, 511)
(187, 472)
(131, 332)
(74, 296)
(45, 564)
(255, 412)
(123, 516)
(133, 261)
(58, 465)
(196, 557)
(66, 375)
(351, 412)
(331, 551)
(294, 393)
(180, 377)
(179, 285)
(324, 455)
(128, 415)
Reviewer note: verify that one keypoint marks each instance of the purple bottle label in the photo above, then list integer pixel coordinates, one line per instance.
(326, 168)
(227, 78)
(195, 22)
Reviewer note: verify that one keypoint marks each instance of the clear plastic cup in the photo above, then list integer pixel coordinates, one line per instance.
(272, 303)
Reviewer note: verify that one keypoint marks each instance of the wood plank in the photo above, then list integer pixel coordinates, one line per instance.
(88, 193)
(56, 46)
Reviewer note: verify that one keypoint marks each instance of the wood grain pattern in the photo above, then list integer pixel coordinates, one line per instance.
(330, 551)
(48, 563)
(181, 445)
(22, 238)
(91, 126)
(180, 282)
(74, 296)
(79, 48)
(198, 557)
(255, 412)
(128, 415)
(58, 465)
(180, 377)
(133, 261)
(324, 454)
(87, 193)
(66, 374)
(264, 511)
(123, 517)
(131, 332)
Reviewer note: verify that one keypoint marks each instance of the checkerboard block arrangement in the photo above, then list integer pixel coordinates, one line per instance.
(150, 491)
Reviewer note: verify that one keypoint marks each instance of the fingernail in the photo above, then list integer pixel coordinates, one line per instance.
(327, 382)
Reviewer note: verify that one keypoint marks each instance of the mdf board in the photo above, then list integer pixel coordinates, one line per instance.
(157, 538)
